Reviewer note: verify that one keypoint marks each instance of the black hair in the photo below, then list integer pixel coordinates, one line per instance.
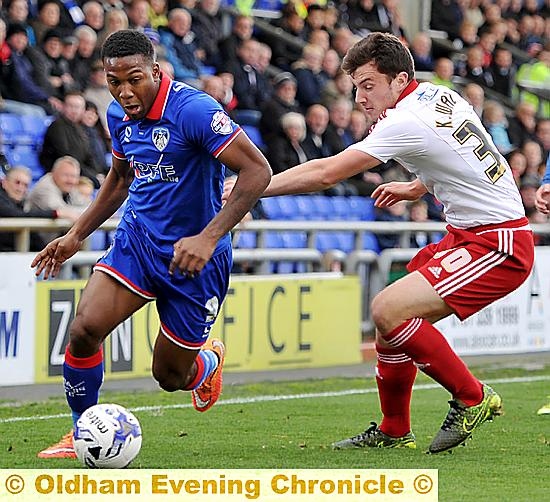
(124, 43)
(385, 51)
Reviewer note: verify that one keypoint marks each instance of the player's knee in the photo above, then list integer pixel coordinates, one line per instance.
(381, 314)
(84, 340)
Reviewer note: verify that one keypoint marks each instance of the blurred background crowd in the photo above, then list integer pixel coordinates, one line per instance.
(275, 68)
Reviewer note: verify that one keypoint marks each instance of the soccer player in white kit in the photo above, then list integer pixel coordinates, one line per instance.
(487, 253)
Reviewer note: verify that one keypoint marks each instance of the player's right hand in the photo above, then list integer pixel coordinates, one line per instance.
(542, 199)
(50, 259)
(391, 193)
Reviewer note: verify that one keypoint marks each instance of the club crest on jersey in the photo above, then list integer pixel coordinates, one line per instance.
(221, 123)
(161, 136)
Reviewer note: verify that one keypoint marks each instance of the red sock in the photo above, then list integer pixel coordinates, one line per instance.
(395, 374)
(434, 356)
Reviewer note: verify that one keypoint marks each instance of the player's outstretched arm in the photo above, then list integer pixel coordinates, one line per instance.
(542, 199)
(388, 194)
(320, 174)
(111, 195)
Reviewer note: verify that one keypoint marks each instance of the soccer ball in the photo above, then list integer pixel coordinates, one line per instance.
(107, 436)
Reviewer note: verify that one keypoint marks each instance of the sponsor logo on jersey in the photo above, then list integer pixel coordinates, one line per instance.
(160, 136)
(221, 123)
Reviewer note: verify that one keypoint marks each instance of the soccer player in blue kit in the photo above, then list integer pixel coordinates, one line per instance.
(173, 243)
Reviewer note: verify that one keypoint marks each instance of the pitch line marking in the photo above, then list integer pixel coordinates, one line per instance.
(267, 398)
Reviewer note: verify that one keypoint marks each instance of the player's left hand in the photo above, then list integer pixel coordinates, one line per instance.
(542, 200)
(191, 255)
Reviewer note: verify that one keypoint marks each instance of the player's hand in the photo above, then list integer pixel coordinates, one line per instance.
(191, 255)
(391, 193)
(228, 185)
(542, 199)
(50, 259)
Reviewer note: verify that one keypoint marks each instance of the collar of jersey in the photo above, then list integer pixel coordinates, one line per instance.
(157, 109)
(411, 86)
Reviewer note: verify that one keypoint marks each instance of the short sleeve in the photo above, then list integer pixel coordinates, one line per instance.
(207, 124)
(393, 137)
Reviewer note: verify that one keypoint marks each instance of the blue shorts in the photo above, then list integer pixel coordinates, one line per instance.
(187, 307)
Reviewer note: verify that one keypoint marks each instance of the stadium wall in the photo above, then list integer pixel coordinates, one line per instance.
(267, 322)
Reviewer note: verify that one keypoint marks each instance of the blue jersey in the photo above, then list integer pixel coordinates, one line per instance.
(173, 151)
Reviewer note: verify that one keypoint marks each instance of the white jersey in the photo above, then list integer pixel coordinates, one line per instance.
(435, 134)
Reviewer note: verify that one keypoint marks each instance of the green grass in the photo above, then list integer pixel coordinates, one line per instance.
(506, 460)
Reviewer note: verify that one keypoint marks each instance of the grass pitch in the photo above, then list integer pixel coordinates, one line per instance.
(292, 425)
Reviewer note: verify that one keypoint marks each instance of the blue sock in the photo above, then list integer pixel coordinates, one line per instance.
(207, 361)
(82, 378)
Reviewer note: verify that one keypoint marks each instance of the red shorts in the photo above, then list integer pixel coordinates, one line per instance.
(471, 268)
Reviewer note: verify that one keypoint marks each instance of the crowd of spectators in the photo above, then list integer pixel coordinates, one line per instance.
(289, 88)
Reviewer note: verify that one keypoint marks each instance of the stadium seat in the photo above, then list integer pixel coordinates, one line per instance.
(324, 207)
(245, 239)
(346, 241)
(342, 209)
(371, 242)
(25, 155)
(13, 133)
(363, 207)
(294, 240)
(306, 207)
(35, 127)
(272, 208)
(326, 241)
(254, 134)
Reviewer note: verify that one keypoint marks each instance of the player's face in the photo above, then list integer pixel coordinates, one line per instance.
(134, 82)
(375, 92)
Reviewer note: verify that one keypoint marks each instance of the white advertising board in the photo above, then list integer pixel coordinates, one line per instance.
(17, 314)
(518, 323)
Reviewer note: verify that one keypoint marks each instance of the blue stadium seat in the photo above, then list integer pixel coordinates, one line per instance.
(363, 207)
(371, 242)
(254, 134)
(272, 208)
(289, 207)
(273, 240)
(323, 207)
(346, 241)
(247, 117)
(296, 240)
(326, 241)
(342, 208)
(245, 239)
(25, 155)
(35, 127)
(306, 208)
(13, 133)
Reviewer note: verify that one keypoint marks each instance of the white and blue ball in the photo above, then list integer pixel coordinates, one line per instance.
(107, 436)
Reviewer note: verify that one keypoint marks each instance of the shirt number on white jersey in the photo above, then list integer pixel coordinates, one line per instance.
(468, 130)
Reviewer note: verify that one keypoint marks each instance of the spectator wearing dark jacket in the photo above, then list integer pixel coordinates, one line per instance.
(283, 101)
(25, 86)
(181, 50)
(66, 136)
(307, 71)
(250, 87)
(207, 26)
(243, 27)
